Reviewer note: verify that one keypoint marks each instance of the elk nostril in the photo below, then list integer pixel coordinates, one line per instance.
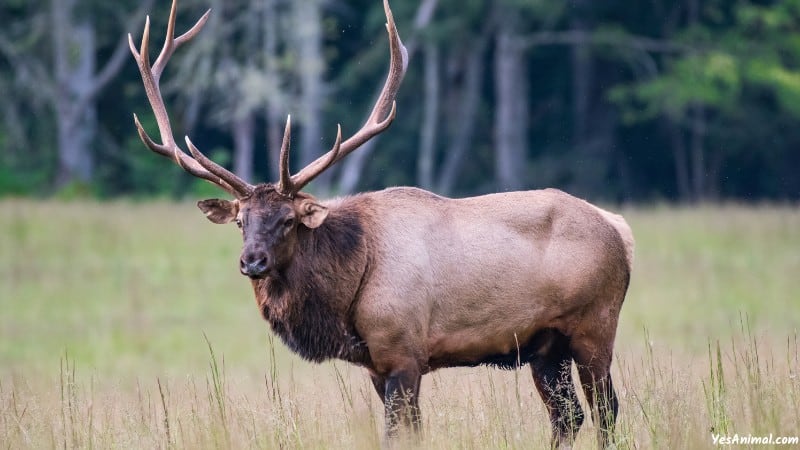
(253, 266)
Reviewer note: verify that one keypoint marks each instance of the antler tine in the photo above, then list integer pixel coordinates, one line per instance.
(382, 115)
(317, 166)
(285, 183)
(171, 43)
(397, 69)
(333, 155)
(200, 166)
(189, 165)
(224, 175)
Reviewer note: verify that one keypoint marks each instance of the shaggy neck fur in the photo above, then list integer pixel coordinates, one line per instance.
(309, 304)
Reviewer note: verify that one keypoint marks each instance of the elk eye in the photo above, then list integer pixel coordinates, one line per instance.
(239, 223)
(289, 223)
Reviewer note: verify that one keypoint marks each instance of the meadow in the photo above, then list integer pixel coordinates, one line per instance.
(127, 325)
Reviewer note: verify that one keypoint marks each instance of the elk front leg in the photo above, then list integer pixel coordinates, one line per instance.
(399, 392)
(398, 357)
(401, 400)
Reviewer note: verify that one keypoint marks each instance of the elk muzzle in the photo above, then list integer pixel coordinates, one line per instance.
(254, 265)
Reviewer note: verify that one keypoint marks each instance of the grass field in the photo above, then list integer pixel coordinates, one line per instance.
(127, 325)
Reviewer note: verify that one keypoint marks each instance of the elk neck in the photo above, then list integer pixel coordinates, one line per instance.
(310, 303)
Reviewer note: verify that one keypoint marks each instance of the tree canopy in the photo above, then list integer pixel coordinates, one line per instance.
(685, 101)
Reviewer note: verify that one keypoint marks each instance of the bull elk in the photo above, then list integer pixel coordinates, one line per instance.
(403, 281)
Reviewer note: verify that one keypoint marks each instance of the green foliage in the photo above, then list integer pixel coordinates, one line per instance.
(783, 82)
(75, 190)
(18, 183)
(757, 50)
(650, 64)
(711, 79)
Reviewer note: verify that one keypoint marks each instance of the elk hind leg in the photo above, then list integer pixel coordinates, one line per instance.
(552, 374)
(594, 369)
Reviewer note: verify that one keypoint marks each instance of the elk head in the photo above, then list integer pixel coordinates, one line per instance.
(268, 214)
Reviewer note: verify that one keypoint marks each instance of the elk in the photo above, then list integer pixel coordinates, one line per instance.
(403, 282)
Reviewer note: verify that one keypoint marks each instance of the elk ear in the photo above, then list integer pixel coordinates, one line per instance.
(311, 213)
(219, 211)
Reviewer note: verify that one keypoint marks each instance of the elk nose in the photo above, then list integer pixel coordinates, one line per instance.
(253, 267)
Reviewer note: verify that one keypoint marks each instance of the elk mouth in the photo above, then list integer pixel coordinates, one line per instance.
(256, 276)
(255, 270)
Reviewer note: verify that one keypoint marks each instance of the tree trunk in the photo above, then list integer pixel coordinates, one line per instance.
(698, 132)
(590, 143)
(581, 87)
(77, 84)
(430, 118)
(680, 161)
(713, 188)
(75, 136)
(274, 138)
(511, 116)
(243, 129)
(274, 125)
(74, 60)
(465, 117)
(352, 166)
(308, 35)
(697, 127)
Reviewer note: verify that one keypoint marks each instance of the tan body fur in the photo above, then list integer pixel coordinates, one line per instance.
(455, 280)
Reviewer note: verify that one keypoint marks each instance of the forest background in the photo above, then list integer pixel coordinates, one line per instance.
(617, 101)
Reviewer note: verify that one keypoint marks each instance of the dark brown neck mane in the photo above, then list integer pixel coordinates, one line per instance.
(310, 311)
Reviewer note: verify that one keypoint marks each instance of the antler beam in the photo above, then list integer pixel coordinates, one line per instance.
(199, 166)
(382, 115)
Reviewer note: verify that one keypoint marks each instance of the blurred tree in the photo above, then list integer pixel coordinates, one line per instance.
(261, 59)
(306, 39)
(53, 55)
(233, 73)
(687, 100)
(466, 39)
(511, 97)
(25, 156)
(350, 172)
(731, 56)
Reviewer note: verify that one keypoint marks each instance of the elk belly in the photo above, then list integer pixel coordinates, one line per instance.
(504, 350)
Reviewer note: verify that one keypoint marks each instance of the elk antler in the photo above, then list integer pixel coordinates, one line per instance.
(200, 166)
(382, 115)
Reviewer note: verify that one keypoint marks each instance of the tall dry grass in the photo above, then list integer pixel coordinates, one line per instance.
(666, 400)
